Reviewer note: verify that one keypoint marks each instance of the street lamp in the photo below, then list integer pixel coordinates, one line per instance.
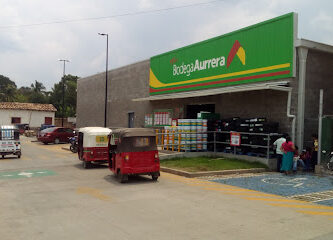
(106, 75)
(63, 91)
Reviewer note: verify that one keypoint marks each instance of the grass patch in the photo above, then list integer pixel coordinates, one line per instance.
(201, 164)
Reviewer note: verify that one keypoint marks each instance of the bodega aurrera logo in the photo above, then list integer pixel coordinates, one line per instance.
(215, 62)
(238, 50)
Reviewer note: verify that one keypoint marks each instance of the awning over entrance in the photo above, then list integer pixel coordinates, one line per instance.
(281, 86)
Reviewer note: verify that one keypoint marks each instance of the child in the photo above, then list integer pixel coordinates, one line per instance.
(306, 157)
(297, 160)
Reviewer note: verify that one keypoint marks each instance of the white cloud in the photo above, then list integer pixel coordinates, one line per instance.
(323, 23)
(31, 53)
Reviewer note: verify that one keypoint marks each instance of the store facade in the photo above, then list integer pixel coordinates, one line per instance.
(262, 71)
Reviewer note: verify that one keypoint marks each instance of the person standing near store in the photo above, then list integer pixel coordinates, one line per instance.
(314, 156)
(277, 144)
(288, 149)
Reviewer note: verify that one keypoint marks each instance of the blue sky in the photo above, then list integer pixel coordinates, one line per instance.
(32, 52)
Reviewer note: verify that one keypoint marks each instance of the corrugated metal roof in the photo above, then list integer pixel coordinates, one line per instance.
(27, 106)
(135, 132)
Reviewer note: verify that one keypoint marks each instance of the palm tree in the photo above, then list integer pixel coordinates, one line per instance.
(37, 87)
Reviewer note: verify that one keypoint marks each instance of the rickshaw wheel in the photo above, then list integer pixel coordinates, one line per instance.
(154, 177)
(122, 178)
(86, 164)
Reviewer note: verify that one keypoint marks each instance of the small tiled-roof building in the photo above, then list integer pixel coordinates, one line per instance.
(33, 114)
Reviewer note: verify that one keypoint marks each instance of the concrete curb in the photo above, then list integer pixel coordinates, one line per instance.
(211, 173)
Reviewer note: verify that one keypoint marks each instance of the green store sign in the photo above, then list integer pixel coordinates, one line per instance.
(261, 52)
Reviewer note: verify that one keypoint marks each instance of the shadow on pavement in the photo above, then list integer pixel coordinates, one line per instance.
(93, 166)
(6, 158)
(51, 144)
(132, 180)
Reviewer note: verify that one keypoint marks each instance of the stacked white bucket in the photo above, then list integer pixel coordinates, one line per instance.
(204, 135)
(166, 136)
(193, 133)
(186, 137)
(181, 131)
(171, 137)
(199, 134)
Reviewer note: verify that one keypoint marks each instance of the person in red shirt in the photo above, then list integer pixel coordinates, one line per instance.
(288, 149)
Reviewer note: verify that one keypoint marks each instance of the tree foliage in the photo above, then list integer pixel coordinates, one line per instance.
(37, 93)
(5, 81)
(56, 96)
(7, 89)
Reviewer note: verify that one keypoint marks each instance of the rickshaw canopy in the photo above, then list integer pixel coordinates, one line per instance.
(133, 139)
(8, 127)
(134, 132)
(94, 136)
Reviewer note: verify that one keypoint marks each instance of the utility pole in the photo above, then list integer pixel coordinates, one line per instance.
(63, 91)
(320, 128)
(106, 77)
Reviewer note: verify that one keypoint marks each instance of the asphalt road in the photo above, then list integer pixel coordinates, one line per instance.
(48, 195)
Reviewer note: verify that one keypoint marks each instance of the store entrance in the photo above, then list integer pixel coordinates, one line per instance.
(193, 110)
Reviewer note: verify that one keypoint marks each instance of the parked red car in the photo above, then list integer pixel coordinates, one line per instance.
(55, 135)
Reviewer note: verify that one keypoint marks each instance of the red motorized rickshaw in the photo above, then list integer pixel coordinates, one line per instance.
(133, 151)
(93, 145)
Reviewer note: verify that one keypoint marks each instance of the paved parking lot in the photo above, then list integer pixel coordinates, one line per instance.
(48, 195)
(308, 187)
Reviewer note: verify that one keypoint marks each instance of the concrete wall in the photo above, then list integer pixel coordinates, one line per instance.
(319, 75)
(58, 123)
(265, 103)
(33, 118)
(131, 82)
(125, 83)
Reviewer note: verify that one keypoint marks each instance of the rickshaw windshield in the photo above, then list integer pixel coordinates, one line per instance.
(137, 144)
(9, 134)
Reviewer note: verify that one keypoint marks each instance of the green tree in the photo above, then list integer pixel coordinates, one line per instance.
(7, 89)
(4, 81)
(38, 87)
(56, 96)
(23, 94)
(8, 93)
(37, 93)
